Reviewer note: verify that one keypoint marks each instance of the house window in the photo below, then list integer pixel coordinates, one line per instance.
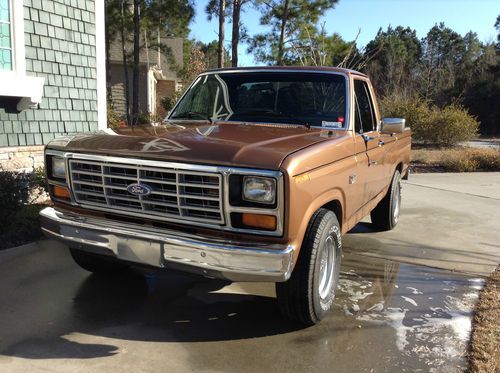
(12, 58)
(18, 91)
(5, 35)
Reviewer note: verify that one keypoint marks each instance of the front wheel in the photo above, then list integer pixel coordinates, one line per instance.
(308, 295)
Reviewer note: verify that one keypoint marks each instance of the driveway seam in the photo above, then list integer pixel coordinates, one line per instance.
(453, 191)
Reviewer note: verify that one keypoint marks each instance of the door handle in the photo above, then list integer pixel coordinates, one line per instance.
(368, 138)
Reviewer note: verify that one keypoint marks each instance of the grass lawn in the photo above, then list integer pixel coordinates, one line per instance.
(456, 159)
(484, 354)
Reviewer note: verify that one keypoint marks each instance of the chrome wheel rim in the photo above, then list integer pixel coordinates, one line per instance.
(397, 202)
(327, 266)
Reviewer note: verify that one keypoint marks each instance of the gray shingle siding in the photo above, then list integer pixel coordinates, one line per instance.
(60, 46)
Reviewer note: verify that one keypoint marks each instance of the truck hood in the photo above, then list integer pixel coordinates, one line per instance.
(224, 143)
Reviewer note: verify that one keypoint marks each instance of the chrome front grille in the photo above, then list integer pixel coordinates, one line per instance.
(176, 193)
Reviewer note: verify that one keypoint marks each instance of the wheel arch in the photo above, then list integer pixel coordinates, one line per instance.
(335, 206)
(399, 167)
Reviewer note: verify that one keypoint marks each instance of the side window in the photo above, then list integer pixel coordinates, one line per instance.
(365, 115)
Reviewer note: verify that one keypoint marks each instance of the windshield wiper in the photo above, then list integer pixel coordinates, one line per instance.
(273, 114)
(192, 115)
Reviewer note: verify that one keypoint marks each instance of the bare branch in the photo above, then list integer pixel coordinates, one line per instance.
(348, 55)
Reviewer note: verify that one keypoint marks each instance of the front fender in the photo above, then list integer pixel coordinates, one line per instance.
(300, 219)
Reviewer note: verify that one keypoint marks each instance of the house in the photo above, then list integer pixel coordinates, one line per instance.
(52, 75)
(158, 74)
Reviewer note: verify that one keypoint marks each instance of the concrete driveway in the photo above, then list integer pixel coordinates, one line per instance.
(449, 221)
(403, 304)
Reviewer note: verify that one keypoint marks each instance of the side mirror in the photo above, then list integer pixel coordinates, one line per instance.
(393, 125)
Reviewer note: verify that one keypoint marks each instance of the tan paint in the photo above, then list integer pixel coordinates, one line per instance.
(320, 166)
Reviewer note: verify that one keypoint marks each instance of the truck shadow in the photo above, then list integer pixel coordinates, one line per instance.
(172, 307)
(363, 227)
(155, 308)
(181, 308)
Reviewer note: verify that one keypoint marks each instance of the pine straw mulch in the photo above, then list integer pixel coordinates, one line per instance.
(484, 356)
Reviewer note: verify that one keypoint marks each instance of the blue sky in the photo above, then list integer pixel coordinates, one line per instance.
(349, 16)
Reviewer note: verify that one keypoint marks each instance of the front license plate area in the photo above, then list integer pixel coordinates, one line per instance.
(139, 251)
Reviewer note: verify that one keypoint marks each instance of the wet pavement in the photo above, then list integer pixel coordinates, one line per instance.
(395, 310)
(388, 317)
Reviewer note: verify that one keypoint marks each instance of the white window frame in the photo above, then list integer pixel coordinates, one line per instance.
(16, 20)
(15, 82)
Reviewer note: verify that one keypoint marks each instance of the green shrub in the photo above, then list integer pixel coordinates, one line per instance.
(450, 125)
(38, 181)
(144, 118)
(14, 193)
(415, 110)
(430, 124)
(114, 120)
(16, 190)
(168, 103)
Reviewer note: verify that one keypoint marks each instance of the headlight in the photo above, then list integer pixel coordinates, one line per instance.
(259, 189)
(58, 168)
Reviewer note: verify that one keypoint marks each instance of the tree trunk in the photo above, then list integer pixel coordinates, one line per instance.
(220, 51)
(281, 44)
(108, 65)
(135, 81)
(125, 64)
(236, 32)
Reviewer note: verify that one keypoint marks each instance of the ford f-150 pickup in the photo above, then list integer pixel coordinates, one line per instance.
(255, 175)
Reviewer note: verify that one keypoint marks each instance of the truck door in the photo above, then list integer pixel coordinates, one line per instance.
(366, 132)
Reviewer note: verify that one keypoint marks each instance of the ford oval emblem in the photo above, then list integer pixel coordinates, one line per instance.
(139, 189)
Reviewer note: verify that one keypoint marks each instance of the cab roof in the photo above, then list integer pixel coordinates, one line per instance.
(290, 68)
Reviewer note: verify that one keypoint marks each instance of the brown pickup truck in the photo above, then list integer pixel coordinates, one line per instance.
(254, 176)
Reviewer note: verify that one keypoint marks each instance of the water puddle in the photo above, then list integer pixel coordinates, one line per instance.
(429, 310)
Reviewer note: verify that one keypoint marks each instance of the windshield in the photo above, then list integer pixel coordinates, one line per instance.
(314, 99)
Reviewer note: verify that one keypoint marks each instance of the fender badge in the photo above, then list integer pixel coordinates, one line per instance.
(302, 178)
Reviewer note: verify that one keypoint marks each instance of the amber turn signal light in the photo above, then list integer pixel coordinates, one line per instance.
(259, 221)
(61, 192)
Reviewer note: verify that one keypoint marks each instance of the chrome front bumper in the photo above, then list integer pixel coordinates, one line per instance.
(169, 249)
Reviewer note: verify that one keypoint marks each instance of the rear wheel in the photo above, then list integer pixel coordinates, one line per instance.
(385, 215)
(98, 264)
(308, 295)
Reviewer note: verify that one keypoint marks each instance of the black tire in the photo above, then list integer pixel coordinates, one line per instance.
(98, 264)
(308, 295)
(385, 215)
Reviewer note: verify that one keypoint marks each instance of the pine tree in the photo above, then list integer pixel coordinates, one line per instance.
(288, 20)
